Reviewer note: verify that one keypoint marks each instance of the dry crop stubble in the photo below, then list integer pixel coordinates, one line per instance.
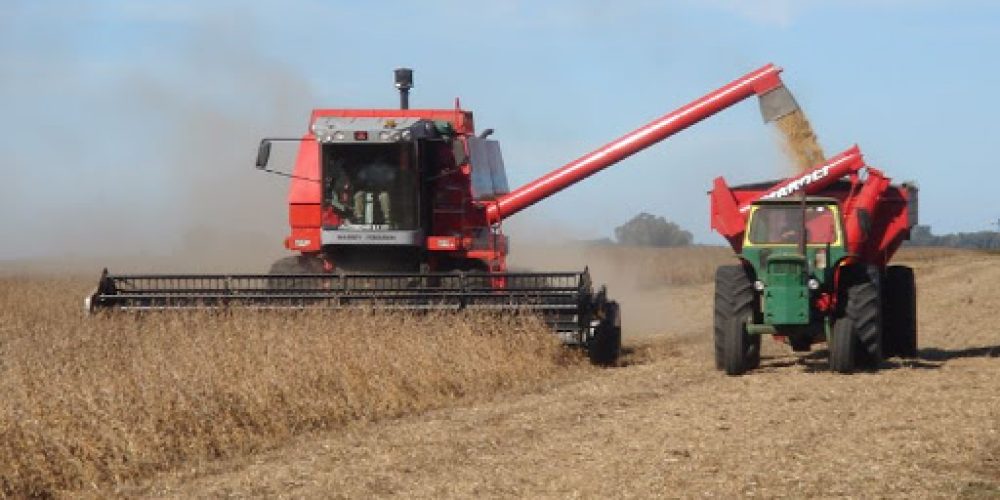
(93, 402)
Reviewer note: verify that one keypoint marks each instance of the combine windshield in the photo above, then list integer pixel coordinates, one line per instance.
(782, 224)
(370, 186)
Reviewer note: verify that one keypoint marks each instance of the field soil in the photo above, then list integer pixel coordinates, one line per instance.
(666, 424)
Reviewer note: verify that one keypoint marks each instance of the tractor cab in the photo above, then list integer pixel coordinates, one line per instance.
(793, 247)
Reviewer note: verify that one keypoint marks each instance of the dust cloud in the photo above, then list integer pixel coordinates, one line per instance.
(160, 174)
(652, 285)
(799, 141)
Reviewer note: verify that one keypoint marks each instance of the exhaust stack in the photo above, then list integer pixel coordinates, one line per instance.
(404, 82)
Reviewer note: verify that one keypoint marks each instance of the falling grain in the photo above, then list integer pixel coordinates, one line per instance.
(799, 141)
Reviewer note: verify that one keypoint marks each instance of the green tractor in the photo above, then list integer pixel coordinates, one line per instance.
(813, 269)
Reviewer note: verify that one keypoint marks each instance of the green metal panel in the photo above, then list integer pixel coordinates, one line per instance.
(784, 273)
(786, 297)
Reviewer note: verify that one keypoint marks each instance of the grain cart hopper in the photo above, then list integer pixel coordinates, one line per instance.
(814, 252)
(402, 208)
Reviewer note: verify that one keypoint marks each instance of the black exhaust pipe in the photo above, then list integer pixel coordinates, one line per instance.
(404, 82)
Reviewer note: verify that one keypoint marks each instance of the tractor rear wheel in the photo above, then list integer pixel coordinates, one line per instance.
(606, 344)
(736, 351)
(900, 312)
(857, 333)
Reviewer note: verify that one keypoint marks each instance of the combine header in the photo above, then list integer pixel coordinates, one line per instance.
(814, 252)
(402, 209)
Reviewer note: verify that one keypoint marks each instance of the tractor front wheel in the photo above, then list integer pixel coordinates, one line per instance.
(842, 346)
(736, 351)
(857, 333)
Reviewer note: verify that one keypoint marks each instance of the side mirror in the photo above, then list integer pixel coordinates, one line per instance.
(263, 153)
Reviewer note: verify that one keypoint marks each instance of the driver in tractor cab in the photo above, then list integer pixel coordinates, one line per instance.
(819, 227)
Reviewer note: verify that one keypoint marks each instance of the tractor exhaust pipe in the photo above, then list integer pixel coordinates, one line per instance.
(404, 82)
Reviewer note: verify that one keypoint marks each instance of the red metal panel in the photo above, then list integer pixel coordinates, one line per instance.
(305, 222)
(460, 119)
(304, 239)
(304, 215)
(301, 188)
(815, 180)
(875, 216)
(442, 243)
(729, 207)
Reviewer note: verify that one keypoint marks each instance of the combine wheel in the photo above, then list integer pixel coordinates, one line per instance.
(735, 350)
(297, 264)
(606, 344)
(857, 333)
(900, 310)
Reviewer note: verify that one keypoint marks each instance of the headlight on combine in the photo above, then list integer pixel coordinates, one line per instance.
(812, 284)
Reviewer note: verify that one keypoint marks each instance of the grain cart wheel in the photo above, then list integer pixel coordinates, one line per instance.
(857, 333)
(606, 344)
(735, 350)
(900, 312)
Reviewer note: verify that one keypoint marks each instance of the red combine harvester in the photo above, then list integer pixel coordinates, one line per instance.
(402, 209)
(814, 252)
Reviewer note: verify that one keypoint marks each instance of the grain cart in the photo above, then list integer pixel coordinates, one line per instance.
(814, 252)
(403, 209)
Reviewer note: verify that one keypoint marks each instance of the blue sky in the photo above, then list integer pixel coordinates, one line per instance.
(130, 127)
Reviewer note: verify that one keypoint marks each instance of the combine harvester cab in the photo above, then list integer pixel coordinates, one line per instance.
(814, 253)
(403, 208)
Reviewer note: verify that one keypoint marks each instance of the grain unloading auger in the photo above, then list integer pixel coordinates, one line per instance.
(402, 209)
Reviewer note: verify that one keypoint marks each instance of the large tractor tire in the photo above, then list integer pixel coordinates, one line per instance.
(857, 332)
(736, 351)
(290, 266)
(606, 344)
(899, 307)
(843, 346)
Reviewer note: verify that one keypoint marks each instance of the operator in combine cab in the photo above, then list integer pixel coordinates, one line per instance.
(340, 187)
(375, 181)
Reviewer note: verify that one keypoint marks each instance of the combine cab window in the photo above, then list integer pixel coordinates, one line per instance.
(371, 186)
(782, 224)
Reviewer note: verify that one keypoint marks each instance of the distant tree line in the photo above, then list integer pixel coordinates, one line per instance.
(648, 230)
(921, 236)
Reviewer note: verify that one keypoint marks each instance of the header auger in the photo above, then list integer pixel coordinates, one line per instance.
(402, 208)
